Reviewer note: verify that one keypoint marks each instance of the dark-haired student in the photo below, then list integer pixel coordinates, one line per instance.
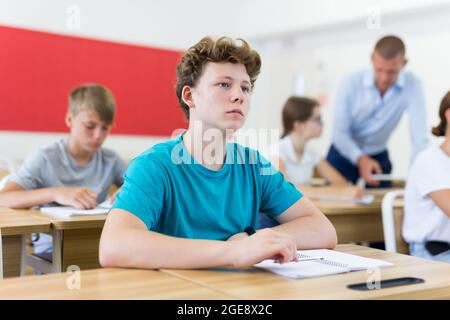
(297, 159)
(426, 225)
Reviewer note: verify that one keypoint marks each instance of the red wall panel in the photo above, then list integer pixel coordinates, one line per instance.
(38, 69)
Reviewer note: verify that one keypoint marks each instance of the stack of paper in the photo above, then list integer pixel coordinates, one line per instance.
(67, 212)
(328, 262)
(365, 199)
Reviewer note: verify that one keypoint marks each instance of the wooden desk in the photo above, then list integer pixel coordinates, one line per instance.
(260, 284)
(356, 222)
(106, 284)
(75, 240)
(13, 226)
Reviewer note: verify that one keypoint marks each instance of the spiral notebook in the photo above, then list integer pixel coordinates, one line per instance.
(327, 262)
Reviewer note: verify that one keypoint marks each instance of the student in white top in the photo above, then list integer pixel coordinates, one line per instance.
(426, 225)
(297, 160)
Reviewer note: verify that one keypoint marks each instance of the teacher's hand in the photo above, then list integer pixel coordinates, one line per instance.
(367, 166)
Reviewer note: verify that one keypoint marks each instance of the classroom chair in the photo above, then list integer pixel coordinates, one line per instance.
(392, 216)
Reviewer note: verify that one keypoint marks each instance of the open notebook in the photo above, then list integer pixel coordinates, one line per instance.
(67, 212)
(328, 262)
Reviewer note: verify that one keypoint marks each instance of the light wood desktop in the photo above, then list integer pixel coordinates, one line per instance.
(259, 284)
(235, 284)
(106, 284)
(14, 225)
(356, 222)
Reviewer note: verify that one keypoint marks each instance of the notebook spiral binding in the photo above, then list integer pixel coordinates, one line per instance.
(326, 262)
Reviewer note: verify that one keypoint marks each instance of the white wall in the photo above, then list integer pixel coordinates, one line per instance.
(165, 23)
(326, 54)
(324, 39)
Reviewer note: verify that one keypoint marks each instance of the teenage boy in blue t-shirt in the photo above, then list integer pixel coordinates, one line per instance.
(194, 201)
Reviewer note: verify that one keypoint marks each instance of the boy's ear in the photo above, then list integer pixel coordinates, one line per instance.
(186, 95)
(68, 120)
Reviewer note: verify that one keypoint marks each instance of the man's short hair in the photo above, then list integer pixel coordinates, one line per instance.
(390, 47)
(224, 49)
(93, 97)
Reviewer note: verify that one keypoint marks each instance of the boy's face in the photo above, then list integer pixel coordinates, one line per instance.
(221, 97)
(87, 130)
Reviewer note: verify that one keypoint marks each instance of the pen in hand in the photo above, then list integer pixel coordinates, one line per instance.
(300, 259)
(309, 259)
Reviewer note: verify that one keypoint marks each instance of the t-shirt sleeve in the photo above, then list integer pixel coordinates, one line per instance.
(29, 175)
(119, 170)
(277, 193)
(143, 191)
(428, 178)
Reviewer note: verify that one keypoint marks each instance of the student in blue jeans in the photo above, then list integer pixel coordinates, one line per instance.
(193, 202)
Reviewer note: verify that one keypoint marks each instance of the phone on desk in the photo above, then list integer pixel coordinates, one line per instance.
(386, 283)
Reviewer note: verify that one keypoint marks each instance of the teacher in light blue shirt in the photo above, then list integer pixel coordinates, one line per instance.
(369, 106)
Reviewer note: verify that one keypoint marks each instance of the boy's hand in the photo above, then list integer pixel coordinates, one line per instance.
(264, 244)
(82, 198)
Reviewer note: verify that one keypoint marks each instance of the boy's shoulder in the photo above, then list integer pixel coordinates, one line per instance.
(50, 151)
(160, 152)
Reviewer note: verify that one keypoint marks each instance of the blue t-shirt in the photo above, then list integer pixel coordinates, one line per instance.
(175, 195)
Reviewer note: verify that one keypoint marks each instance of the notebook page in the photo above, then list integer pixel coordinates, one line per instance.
(331, 262)
(300, 270)
(66, 212)
(354, 262)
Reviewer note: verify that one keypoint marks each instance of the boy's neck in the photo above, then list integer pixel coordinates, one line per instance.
(80, 156)
(211, 153)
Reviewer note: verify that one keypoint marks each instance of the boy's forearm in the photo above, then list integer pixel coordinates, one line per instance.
(310, 232)
(21, 199)
(137, 248)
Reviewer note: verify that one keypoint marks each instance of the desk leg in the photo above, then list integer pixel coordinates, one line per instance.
(11, 253)
(80, 248)
(23, 254)
(57, 236)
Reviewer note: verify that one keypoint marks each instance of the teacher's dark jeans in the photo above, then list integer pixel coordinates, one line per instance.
(351, 172)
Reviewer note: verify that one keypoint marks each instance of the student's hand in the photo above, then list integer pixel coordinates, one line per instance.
(264, 244)
(82, 198)
(367, 166)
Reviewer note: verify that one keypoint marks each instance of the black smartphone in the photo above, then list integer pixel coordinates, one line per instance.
(386, 284)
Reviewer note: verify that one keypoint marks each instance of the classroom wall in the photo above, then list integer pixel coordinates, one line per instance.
(314, 38)
(325, 55)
